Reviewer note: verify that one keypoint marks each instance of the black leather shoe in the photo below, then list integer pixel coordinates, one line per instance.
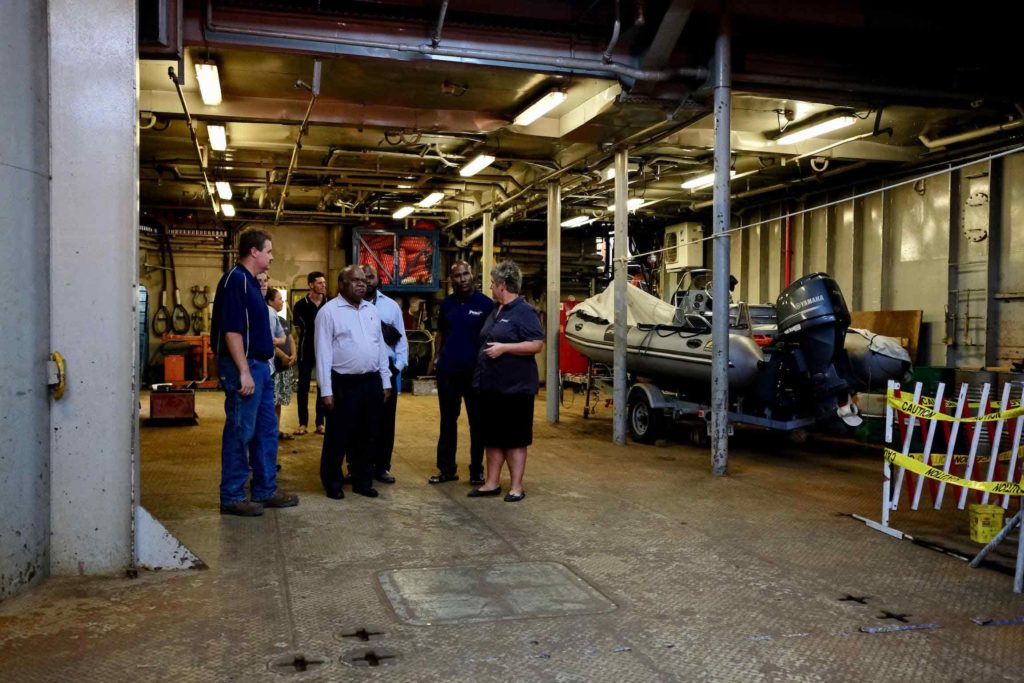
(336, 495)
(385, 477)
(480, 493)
(367, 491)
(441, 478)
(515, 497)
(477, 480)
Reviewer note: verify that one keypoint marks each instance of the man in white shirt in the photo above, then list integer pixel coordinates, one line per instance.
(350, 350)
(393, 326)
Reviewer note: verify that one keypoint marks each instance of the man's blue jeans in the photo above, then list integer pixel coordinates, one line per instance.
(250, 434)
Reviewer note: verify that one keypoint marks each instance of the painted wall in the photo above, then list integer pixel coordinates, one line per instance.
(298, 249)
(93, 238)
(907, 248)
(24, 268)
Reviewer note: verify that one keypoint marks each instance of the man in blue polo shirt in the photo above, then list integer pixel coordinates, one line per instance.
(458, 342)
(240, 330)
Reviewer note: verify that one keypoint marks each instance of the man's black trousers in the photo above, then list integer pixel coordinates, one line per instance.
(452, 389)
(305, 373)
(352, 430)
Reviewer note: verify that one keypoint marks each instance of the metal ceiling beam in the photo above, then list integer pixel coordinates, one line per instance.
(332, 112)
(324, 38)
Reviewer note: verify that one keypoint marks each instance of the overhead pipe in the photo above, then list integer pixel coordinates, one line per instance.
(436, 40)
(195, 138)
(935, 143)
(401, 50)
(606, 56)
(314, 91)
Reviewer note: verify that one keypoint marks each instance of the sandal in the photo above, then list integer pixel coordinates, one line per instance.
(300, 431)
(320, 429)
(284, 437)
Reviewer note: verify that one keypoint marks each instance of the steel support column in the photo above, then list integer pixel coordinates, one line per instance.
(487, 255)
(720, 293)
(554, 296)
(621, 273)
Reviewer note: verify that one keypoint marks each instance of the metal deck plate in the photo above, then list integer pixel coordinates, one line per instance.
(457, 595)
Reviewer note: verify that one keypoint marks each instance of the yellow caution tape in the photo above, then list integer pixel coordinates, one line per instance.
(1007, 488)
(950, 403)
(908, 407)
(939, 459)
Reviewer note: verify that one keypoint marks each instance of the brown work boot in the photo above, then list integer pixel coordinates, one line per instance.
(243, 508)
(280, 499)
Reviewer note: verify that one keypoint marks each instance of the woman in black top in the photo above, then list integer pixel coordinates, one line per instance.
(506, 377)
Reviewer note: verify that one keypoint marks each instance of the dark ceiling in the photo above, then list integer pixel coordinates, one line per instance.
(406, 98)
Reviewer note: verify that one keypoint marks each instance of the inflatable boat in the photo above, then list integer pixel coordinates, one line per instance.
(808, 364)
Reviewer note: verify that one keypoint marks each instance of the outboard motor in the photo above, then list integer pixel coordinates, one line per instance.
(801, 374)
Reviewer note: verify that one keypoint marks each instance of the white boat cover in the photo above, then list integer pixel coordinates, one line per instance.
(886, 346)
(641, 307)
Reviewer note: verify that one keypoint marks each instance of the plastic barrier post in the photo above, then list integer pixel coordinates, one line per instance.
(1011, 473)
(928, 445)
(994, 459)
(907, 438)
(969, 470)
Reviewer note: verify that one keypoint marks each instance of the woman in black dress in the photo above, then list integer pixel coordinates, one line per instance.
(506, 377)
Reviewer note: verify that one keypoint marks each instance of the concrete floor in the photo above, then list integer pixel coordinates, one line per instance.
(692, 578)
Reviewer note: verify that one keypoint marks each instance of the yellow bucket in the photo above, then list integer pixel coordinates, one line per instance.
(986, 522)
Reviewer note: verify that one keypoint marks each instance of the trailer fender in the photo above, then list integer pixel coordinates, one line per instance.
(655, 398)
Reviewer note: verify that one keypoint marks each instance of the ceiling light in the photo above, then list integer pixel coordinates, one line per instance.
(833, 121)
(218, 136)
(223, 190)
(577, 221)
(702, 181)
(405, 187)
(403, 212)
(478, 164)
(209, 83)
(609, 172)
(631, 204)
(540, 107)
(430, 200)
(228, 210)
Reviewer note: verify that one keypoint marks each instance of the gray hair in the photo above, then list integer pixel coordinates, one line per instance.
(508, 274)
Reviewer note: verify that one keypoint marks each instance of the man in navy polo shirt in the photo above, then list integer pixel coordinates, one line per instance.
(458, 342)
(240, 332)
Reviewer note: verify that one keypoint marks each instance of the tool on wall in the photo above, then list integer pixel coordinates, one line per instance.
(200, 300)
(181, 321)
(162, 317)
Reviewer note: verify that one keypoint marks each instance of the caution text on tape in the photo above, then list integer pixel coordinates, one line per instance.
(1007, 488)
(908, 407)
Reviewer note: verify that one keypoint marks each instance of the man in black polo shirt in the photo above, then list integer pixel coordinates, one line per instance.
(241, 336)
(463, 313)
(304, 316)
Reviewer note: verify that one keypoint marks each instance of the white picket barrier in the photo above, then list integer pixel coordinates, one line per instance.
(908, 415)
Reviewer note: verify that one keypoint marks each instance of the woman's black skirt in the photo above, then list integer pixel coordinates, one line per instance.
(506, 420)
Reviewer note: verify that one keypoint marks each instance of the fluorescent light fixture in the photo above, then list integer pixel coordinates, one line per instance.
(405, 187)
(577, 221)
(703, 181)
(430, 200)
(478, 164)
(223, 190)
(403, 212)
(827, 125)
(209, 83)
(218, 136)
(609, 172)
(631, 204)
(540, 107)
(228, 210)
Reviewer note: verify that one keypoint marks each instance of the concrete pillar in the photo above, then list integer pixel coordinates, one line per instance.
(554, 296)
(93, 297)
(621, 267)
(24, 278)
(488, 254)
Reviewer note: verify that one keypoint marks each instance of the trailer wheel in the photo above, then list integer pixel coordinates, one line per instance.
(644, 421)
